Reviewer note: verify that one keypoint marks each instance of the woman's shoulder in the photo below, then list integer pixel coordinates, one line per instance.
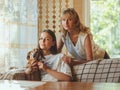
(82, 35)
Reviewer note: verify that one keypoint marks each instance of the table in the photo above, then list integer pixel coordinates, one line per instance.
(78, 86)
(37, 85)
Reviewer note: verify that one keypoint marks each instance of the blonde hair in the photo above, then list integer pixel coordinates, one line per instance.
(78, 24)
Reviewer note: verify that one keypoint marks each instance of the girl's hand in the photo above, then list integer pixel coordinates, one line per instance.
(28, 70)
(34, 66)
(42, 66)
(67, 59)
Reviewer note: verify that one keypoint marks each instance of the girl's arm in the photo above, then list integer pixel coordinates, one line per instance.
(59, 75)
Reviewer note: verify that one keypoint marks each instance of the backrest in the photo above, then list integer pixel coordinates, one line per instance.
(106, 70)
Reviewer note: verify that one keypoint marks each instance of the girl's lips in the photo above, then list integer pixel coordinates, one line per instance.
(42, 45)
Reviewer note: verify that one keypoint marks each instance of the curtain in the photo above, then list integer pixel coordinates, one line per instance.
(18, 32)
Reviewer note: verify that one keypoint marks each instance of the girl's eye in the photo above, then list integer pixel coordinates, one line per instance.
(48, 39)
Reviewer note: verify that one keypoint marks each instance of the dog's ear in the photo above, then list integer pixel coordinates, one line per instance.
(30, 54)
(36, 55)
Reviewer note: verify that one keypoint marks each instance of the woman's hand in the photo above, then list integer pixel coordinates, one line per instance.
(42, 66)
(67, 59)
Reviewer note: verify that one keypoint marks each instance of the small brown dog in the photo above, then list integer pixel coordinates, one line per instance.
(32, 56)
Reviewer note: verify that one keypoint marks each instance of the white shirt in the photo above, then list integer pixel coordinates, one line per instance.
(55, 63)
(78, 50)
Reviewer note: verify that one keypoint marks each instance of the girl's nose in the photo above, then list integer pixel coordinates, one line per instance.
(43, 40)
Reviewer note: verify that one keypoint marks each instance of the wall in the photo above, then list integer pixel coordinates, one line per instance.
(78, 5)
(50, 13)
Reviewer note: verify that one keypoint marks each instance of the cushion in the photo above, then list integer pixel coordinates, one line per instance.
(34, 76)
(106, 70)
(13, 74)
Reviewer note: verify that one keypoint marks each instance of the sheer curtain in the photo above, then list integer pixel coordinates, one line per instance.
(18, 31)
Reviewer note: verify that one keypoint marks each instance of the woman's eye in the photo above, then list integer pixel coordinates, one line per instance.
(40, 38)
(70, 19)
(63, 19)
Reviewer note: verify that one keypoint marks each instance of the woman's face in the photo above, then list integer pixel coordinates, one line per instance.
(46, 41)
(68, 22)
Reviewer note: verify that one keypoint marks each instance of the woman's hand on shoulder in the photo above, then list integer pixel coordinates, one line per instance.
(67, 59)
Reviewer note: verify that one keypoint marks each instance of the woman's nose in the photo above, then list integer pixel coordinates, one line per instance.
(66, 22)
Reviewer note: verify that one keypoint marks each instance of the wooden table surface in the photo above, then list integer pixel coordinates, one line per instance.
(78, 86)
(37, 85)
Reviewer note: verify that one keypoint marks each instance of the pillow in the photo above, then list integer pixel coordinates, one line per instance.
(19, 74)
(13, 74)
(106, 70)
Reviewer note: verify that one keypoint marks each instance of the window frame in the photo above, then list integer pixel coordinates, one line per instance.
(86, 19)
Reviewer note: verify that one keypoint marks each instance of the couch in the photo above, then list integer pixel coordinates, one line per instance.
(102, 70)
(106, 70)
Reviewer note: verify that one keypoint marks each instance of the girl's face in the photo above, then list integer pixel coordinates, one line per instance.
(46, 41)
(68, 22)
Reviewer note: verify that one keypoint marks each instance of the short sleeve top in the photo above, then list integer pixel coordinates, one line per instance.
(78, 50)
(55, 63)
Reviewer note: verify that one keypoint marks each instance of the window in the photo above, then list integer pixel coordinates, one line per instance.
(18, 31)
(104, 18)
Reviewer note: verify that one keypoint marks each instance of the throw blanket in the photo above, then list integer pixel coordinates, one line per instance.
(13, 74)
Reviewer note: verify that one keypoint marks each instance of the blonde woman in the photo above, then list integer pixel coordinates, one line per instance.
(78, 40)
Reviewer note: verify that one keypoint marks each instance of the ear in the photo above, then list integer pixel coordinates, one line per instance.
(53, 43)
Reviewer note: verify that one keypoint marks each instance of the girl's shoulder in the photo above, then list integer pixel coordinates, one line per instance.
(54, 57)
(59, 55)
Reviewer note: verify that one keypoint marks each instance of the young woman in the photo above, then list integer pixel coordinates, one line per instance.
(78, 40)
(51, 67)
